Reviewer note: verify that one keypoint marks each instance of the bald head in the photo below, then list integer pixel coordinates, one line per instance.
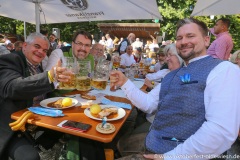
(131, 37)
(97, 50)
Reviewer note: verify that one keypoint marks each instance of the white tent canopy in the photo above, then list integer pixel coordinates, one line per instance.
(216, 7)
(63, 11)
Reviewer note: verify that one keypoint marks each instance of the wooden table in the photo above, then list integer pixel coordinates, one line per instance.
(76, 114)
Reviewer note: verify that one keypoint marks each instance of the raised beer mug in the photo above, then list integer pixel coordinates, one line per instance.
(70, 65)
(83, 76)
(100, 74)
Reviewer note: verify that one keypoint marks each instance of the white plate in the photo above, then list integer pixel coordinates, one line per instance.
(44, 102)
(121, 113)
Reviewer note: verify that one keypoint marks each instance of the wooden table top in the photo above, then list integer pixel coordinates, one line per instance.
(77, 114)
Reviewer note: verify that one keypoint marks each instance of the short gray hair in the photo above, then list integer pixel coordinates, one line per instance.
(32, 36)
(173, 49)
(234, 56)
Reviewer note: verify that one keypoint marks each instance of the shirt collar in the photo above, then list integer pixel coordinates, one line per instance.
(220, 34)
(194, 59)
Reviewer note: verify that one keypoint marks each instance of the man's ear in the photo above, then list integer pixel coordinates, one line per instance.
(207, 41)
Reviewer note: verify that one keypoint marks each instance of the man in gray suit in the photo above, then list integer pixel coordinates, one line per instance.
(23, 84)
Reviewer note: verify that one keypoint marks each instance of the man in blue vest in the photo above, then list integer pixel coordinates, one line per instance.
(126, 42)
(193, 104)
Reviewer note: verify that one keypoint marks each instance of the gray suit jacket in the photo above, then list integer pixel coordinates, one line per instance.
(17, 89)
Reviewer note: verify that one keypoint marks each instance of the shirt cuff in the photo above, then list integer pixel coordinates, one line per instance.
(128, 86)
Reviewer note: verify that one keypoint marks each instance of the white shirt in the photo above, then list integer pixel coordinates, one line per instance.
(152, 46)
(53, 58)
(126, 60)
(157, 76)
(222, 105)
(102, 42)
(109, 43)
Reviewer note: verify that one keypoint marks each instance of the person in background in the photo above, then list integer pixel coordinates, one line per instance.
(53, 43)
(127, 59)
(44, 32)
(221, 47)
(4, 50)
(190, 109)
(98, 52)
(152, 47)
(93, 40)
(18, 46)
(121, 39)
(19, 74)
(10, 47)
(137, 44)
(169, 50)
(103, 42)
(109, 44)
(126, 42)
(235, 58)
(161, 64)
(138, 55)
(6, 40)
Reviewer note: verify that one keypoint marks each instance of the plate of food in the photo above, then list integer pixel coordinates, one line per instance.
(59, 103)
(97, 112)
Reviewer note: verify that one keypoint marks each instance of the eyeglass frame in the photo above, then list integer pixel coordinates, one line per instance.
(80, 44)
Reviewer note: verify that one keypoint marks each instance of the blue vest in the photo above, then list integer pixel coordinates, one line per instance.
(181, 110)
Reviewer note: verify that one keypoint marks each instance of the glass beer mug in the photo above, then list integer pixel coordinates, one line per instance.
(83, 79)
(100, 74)
(69, 63)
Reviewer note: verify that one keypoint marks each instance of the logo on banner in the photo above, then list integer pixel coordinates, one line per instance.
(76, 4)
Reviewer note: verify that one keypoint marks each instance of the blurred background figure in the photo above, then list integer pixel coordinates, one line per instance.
(10, 47)
(138, 55)
(137, 44)
(109, 44)
(18, 46)
(235, 58)
(4, 50)
(125, 42)
(6, 40)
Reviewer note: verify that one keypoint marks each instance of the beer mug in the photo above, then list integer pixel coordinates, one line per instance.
(83, 79)
(69, 63)
(100, 74)
(116, 61)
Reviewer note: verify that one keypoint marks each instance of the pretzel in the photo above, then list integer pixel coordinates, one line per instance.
(89, 97)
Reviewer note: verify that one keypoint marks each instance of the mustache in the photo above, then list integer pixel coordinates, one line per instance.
(186, 46)
(80, 50)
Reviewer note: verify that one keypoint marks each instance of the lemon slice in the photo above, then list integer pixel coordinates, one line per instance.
(66, 102)
(95, 109)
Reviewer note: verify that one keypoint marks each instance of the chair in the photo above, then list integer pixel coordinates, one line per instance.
(109, 154)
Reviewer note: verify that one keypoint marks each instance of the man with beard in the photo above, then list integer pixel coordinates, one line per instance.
(126, 42)
(81, 44)
(193, 102)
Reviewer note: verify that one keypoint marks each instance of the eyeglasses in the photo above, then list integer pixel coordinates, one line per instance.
(80, 44)
(99, 50)
(170, 55)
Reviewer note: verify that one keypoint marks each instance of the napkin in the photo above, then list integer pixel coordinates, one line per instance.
(118, 104)
(46, 111)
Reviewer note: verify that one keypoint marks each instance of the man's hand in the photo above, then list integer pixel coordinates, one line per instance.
(117, 78)
(154, 156)
(148, 83)
(60, 73)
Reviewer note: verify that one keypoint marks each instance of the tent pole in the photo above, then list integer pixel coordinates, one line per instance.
(37, 17)
(25, 35)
